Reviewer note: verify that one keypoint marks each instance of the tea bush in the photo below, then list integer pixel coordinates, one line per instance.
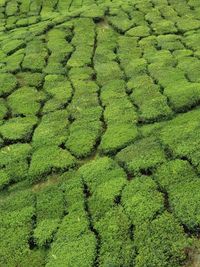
(160, 243)
(141, 200)
(143, 155)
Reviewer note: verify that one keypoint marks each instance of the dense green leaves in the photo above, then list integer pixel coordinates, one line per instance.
(97, 165)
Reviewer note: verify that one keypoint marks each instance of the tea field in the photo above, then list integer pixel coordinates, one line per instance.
(99, 133)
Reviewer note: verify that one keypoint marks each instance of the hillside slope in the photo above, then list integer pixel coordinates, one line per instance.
(99, 133)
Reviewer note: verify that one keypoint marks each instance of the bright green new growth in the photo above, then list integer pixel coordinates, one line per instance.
(141, 200)
(160, 243)
(142, 156)
(8, 83)
(49, 159)
(99, 133)
(116, 246)
(26, 101)
(18, 129)
(53, 129)
(173, 173)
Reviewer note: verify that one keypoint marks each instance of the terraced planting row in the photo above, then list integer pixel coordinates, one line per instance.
(99, 133)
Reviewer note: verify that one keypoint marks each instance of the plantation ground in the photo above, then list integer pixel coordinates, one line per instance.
(99, 133)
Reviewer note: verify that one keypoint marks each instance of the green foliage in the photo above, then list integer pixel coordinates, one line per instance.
(8, 83)
(184, 200)
(36, 54)
(135, 67)
(15, 226)
(83, 136)
(160, 243)
(146, 95)
(29, 79)
(85, 73)
(164, 26)
(119, 115)
(127, 48)
(9, 47)
(117, 136)
(105, 196)
(141, 200)
(16, 201)
(48, 159)
(143, 155)
(59, 90)
(52, 129)
(85, 78)
(180, 135)
(14, 161)
(105, 180)
(11, 8)
(79, 252)
(75, 244)
(107, 72)
(121, 22)
(121, 110)
(50, 204)
(167, 76)
(139, 31)
(34, 258)
(190, 65)
(17, 129)
(116, 246)
(3, 109)
(170, 42)
(173, 173)
(81, 57)
(13, 62)
(4, 179)
(183, 96)
(49, 210)
(182, 53)
(100, 171)
(187, 24)
(26, 101)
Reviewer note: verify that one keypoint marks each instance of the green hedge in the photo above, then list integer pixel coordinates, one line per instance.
(8, 83)
(26, 101)
(52, 130)
(160, 243)
(18, 129)
(116, 247)
(173, 173)
(184, 200)
(48, 159)
(144, 155)
(180, 135)
(141, 200)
